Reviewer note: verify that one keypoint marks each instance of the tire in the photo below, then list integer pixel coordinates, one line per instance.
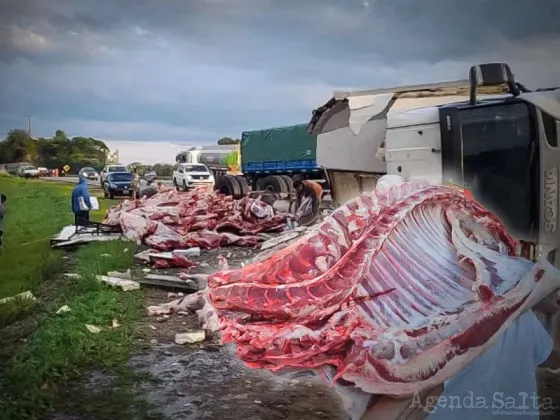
(288, 182)
(105, 193)
(243, 186)
(228, 185)
(185, 188)
(259, 185)
(111, 195)
(275, 183)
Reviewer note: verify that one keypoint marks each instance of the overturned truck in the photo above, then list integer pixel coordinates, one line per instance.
(489, 135)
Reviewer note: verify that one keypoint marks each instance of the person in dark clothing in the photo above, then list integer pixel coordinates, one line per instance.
(3, 200)
(307, 190)
(81, 204)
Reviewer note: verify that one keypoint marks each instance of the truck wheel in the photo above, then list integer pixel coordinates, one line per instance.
(259, 184)
(228, 185)
(243, 186)
(288, 182)
(185, 188)
(275, 183)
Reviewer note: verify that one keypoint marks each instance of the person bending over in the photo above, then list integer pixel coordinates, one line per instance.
(307, 190)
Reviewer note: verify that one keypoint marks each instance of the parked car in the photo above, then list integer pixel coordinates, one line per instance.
(110, 168)
(29, 171)
(187, 176)
(89, 173)
(117, 184)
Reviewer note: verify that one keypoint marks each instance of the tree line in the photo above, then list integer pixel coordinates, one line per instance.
(60, 150)
(76, 152)
(55, 152)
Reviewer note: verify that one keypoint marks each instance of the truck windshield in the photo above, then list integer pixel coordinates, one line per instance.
(120, 177)
(498, 147)
(116, 169)
(195, 168)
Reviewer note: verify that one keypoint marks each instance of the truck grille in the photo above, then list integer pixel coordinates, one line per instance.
(201, 176)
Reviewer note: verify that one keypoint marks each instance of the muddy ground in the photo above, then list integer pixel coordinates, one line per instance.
(206, 381)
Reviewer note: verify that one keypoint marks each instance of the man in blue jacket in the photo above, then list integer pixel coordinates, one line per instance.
(81, 204)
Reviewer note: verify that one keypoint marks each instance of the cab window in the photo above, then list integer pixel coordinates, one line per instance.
(498, 150)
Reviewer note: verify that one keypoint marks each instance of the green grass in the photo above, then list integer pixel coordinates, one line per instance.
(41, 360)
(62, 348)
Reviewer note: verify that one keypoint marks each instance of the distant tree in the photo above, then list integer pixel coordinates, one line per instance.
(163, 169)
(228, 140)
(17, 147)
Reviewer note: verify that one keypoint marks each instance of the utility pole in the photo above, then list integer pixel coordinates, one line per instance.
(29, 126)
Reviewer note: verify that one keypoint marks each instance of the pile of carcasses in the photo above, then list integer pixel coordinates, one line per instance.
(394, 293)
(172, 220)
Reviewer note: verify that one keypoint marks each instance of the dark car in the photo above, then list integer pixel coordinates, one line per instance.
(89, 173)
(117, 184)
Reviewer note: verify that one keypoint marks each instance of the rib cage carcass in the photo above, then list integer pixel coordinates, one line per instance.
(397, 291)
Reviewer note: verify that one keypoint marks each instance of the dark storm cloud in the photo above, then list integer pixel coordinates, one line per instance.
(219, 66)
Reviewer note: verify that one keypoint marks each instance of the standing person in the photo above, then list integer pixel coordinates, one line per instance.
(308, 190)
(135, 183)
(80, 197)
(3, 200)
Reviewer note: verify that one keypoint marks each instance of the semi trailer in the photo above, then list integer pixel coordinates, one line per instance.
(265, 160)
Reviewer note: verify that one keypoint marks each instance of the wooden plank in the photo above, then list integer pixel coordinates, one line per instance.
(187, 286)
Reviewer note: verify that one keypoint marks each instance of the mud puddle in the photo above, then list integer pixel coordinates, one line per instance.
(208, 382)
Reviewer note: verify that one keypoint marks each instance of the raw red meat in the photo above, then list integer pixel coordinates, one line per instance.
(172, 219)
(396, 291)
(177, 260)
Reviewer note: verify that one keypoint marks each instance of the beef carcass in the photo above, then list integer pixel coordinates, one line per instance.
(174, 219)
(396, 291)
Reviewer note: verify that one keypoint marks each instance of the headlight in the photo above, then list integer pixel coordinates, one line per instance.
(211, 178)
(112, 186)
(189, 177)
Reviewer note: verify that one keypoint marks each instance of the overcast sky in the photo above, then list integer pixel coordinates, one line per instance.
(192, 71)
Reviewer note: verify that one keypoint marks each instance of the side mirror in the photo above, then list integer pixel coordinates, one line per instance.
(491, 74)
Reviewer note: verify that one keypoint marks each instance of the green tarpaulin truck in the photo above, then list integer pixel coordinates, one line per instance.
(271, 159)
(268, 159)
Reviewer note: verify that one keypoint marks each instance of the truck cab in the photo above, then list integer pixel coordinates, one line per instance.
(488, 134)
(190, 175)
